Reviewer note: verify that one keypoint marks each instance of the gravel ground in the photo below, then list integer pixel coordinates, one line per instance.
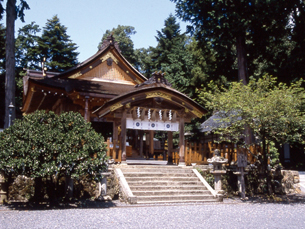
(232, 213)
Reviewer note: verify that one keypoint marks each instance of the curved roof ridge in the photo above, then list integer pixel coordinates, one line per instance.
(106, 45)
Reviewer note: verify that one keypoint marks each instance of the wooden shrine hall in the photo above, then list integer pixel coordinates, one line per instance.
(109, 92)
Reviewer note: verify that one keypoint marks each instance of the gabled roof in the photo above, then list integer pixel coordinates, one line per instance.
(108, 50)
(219, 120)
(159, 90)
(104, 75)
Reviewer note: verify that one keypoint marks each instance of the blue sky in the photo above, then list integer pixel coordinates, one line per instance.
(87, 21)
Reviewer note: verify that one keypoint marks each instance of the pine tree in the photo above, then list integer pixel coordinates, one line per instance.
(27, 50)
(237, 30)
(144, 62)
(56, 46)
(122, 35)
(171, 56)
(13, 11)
(2, 74)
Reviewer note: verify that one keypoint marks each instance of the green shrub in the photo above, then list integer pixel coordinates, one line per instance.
(45, 145)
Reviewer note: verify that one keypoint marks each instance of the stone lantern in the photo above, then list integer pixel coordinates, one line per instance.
(217, 161)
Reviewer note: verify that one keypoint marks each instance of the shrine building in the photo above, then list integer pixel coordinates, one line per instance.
(121, 103)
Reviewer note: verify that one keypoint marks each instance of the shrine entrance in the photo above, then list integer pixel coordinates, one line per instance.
(152, 106)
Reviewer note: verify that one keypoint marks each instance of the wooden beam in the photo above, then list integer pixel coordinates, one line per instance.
(141, 142)
(170, 147)
(123, 135)
(181, 140)
(87, 113)
(151, 143)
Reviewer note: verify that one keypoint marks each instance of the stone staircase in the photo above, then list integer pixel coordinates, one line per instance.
(165, 184)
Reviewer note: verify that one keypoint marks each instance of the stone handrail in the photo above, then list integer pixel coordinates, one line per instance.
(206, 184)
(127, 193)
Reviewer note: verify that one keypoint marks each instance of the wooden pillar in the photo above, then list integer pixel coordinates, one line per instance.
(87, 114)
(181, 140)
(115, 133)
(123, 135)
(141, 142)
(170, 147)
(115, 137)
(151, 143)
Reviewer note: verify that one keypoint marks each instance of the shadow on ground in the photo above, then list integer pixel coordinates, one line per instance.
(274, 199)
(28, 206)
(95, 204)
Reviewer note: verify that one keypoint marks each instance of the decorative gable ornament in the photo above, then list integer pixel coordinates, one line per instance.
(109, 41)
(157, 77)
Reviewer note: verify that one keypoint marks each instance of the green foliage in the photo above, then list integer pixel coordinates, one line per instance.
(122, 35)
(144, 62)
(57, 47)
(209, 177)
(274, 112)
(23, 5)
(272, 31)
(27, 48)
(44, 144)
(171, 56)
(274, 154)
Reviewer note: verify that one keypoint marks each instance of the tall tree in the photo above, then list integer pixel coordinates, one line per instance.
(122, 35)
(171, 56)
(28, 54)
(13, 11)
(2, 49)
(296, 62)
(229, 24)
(273, 111)
(2, 74)
(144, 61)
(56, 46)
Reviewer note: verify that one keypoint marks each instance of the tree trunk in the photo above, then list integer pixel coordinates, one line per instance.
(39, 193)
(242, 59)
(10, 60)
(265, 166)
(68, 188)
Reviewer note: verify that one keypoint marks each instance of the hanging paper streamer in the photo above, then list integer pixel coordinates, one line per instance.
(149, 114)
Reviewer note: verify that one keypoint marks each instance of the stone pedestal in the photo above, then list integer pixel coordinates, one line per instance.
(217, 180)
(217, 161)
(240, 181)
(103, 184)
(3, 188)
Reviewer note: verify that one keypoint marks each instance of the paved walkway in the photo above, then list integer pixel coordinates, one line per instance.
(225, 215)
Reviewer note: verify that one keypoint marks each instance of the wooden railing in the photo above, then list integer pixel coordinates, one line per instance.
(199, 153)
(113, 150)
(194, 152)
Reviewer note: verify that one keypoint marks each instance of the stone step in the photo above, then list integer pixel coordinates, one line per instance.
(177, 201)
(174, 198)
(158, 179)
(157, 174)
(163, 183)
(153, 188)
(127, 170)
(171, 193)
(153, 167)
